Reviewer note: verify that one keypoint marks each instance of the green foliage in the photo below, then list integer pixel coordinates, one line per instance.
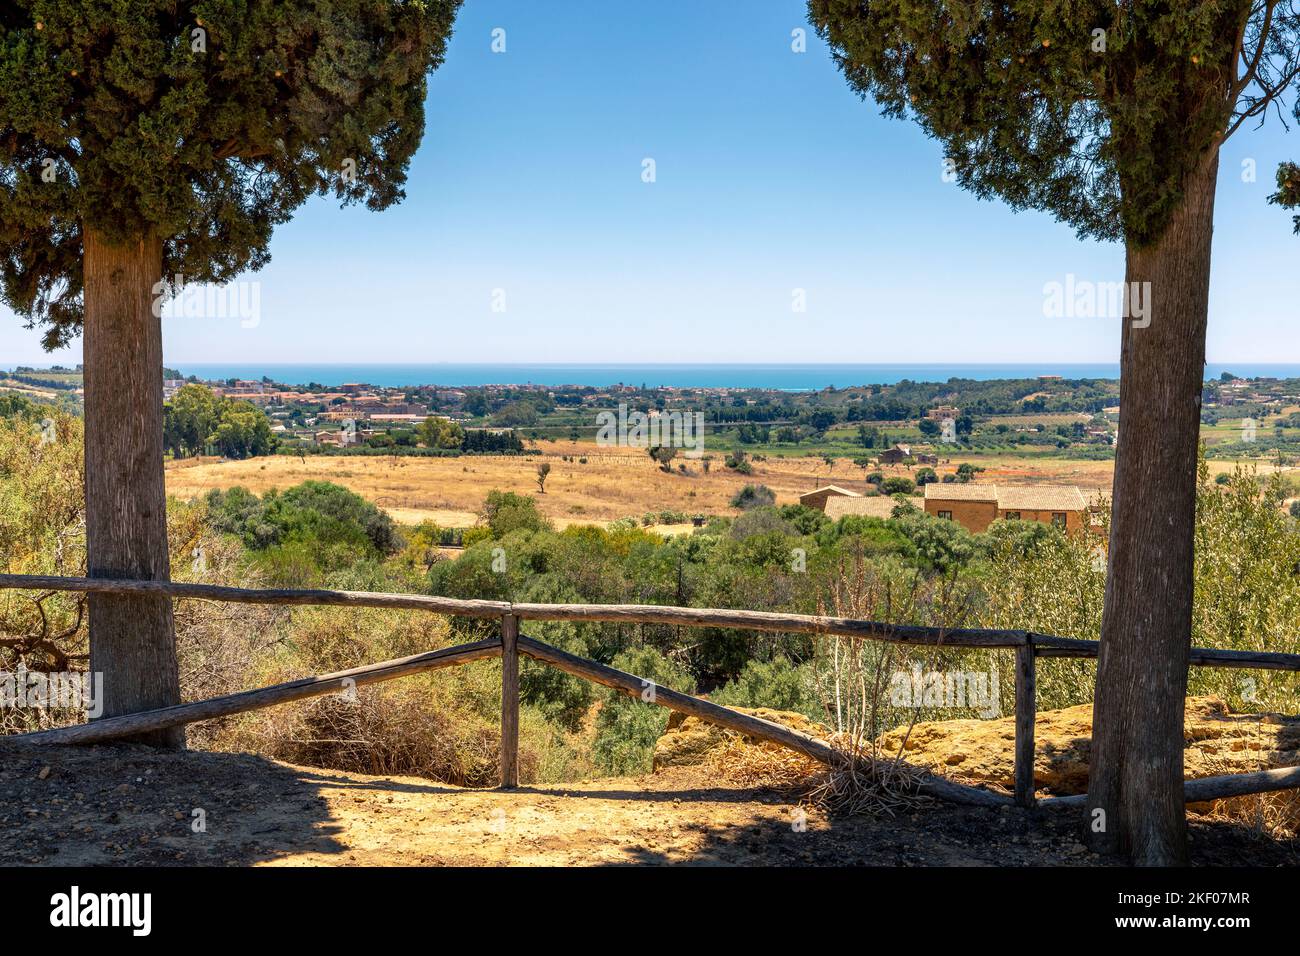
(738, 461)
(1126, 98)
(308, 528)
(505, 511)
(189, 419)
(1247, 585)
(197, 419)
(939, 545)
(1247, 594)
(627, 728)
(243, 431)
(517, 415)
(437, 432)
(13, 405)
(777, 683)
(41, 503)
(753, 496)
(805, 520)
(897, 485)
(206, 135)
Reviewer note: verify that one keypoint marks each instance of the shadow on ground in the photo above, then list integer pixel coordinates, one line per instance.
(124, 805)
(119, 805)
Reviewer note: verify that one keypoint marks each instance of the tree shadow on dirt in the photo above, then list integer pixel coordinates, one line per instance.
(125, 805)
(120, 805)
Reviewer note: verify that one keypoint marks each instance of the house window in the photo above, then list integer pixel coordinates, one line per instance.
(946, 514)
(1058, 518)
(1013, 515)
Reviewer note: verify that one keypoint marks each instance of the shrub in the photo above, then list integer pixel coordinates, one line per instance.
(898, 485)
(737, 461)
(942, 546)
(311, 527)
(627, 728)
(756, 521)
(444, 726)
(753, 496)
(777, 683)
(505, 511)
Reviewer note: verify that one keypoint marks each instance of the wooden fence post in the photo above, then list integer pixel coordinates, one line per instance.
(509, 701)
(1026, 709)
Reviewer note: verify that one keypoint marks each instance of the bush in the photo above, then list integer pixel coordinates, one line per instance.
(777, 683)
(627, 728)
(444, 726)
(753, 496)
(736, 461)
(942, 546)
(898, 485)
(805, 520)
(762, 521)
(505, 511)
(316, 525)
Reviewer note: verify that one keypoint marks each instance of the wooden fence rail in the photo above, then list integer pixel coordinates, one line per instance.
(126, 725)
(1027, 645)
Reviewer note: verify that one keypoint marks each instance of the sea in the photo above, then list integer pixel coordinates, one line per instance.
(792, 378)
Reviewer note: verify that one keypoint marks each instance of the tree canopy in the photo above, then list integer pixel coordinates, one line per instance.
(1094, 112)
(205, 123)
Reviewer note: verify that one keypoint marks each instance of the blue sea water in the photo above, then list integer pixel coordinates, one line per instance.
(785, 377)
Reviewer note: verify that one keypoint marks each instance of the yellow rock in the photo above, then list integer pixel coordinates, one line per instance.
(687, 740)
(1217, 742)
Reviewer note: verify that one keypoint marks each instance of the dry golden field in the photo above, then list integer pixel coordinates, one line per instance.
(615, 482)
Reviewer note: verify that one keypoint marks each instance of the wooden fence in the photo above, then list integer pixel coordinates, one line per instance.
(1026, 645)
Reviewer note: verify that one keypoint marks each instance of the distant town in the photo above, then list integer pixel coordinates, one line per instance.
(1042, 416)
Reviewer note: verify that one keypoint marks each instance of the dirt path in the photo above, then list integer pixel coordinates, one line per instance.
(128, 806)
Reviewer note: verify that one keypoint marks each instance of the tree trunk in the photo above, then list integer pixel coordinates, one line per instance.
(132, 639)
(1136, 767)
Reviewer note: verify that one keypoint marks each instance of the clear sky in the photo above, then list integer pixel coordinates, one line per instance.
(770, 176)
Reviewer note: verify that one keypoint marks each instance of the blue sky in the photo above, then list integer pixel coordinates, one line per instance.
(771, 176)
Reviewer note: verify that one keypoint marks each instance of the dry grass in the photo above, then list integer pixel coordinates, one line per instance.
(388, 730)
(614, 483)
(761, 764)
(862, 782)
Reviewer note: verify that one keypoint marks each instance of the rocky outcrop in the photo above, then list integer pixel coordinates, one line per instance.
(1218, 742)
(983, 751)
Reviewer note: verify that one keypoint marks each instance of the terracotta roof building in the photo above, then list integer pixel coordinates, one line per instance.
(818, 497)
(976, 506)
(872, 506)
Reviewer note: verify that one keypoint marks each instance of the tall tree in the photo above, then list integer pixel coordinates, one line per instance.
(1108, 115)
(149, 138)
